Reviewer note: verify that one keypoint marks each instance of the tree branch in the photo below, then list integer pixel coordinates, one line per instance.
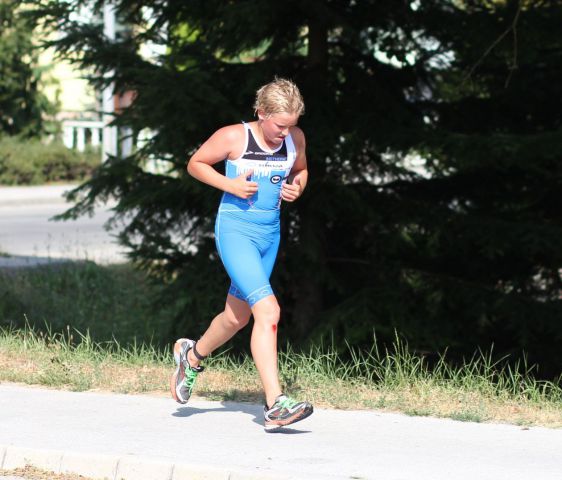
(511, 28)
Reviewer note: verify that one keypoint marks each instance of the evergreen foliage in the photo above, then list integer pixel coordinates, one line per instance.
(22, 105)
(462, 252)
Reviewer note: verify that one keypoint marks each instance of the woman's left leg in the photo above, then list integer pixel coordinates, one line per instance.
(264, 345)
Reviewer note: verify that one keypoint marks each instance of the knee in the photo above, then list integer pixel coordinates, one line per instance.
(268, 313)
(235, 322)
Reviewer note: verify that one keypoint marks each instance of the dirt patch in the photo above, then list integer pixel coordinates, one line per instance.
(32, 473)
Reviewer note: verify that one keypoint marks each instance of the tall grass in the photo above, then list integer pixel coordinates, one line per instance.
(71, 359)
(480, 389)
(83, 326)
(399, 368)
(114, 301)
(75, 345)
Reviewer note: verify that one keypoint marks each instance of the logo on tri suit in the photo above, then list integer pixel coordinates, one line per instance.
(276, 178)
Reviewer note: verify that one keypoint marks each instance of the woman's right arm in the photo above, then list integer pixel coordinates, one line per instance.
(224, 143)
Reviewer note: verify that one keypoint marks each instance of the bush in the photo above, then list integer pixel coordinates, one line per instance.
(31, 162)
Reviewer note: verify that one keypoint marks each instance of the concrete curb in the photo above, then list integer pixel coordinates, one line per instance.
(126, 467)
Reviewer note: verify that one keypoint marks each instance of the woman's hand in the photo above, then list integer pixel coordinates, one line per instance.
(291, 191)
(241, 187)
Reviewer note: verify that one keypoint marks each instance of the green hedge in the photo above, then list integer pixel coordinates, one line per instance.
(31, 162)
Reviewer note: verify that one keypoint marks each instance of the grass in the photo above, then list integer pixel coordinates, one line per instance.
(396, 381)
(70, 326)
(111, 301)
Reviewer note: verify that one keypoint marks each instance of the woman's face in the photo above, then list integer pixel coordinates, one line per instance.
(275, 127)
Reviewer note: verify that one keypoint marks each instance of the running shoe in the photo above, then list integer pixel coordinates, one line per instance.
(285, 411)
(183, 379)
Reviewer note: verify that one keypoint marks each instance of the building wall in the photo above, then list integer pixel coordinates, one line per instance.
(67, 86)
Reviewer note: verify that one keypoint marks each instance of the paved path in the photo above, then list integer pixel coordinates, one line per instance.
(30, 237)
(38, 194)
(146, 437)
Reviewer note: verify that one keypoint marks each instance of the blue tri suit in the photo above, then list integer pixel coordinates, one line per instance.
(247, 230)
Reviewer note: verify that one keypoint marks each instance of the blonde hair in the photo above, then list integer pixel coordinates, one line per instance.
(279, 96)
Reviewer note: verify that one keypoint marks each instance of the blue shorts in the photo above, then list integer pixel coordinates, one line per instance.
(248, 251)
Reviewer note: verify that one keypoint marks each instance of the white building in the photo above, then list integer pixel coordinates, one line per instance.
(85, 113)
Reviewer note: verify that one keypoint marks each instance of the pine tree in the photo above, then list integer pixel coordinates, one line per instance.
(461, 252)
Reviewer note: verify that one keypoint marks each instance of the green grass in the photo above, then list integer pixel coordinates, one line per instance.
(114, 301)
(395, 380)
(82, 326)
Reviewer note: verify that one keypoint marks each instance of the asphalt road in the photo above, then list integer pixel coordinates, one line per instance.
(28, 233)
(151, 437)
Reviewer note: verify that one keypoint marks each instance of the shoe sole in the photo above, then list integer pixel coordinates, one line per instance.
(175, 385)
(274, 427)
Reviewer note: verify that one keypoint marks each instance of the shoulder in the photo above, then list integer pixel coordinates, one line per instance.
(230, 140)
(230, 133)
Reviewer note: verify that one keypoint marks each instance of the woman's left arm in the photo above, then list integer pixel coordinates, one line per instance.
(296, 183)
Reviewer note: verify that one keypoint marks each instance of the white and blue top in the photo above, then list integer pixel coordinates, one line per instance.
(270, 170)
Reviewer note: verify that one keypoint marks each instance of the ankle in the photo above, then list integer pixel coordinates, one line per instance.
(270, 400)
(192, 359)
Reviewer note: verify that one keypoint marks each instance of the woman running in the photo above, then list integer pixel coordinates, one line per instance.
(265, 164)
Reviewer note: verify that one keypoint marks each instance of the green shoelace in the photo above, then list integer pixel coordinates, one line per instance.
(287, 403)
(190, 376)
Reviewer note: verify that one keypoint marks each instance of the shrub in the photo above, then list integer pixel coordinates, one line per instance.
(31, 162)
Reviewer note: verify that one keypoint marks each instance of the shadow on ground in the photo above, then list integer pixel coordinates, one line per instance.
(251, 409)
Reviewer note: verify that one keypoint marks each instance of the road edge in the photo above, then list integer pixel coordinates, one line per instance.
(122, 467)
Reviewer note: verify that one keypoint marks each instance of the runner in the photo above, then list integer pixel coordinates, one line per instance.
(265, 164)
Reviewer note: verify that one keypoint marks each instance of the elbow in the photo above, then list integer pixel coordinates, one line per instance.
(190, 167)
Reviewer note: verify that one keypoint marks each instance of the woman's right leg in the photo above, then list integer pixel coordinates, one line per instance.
(235, 316)
(224, 326)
